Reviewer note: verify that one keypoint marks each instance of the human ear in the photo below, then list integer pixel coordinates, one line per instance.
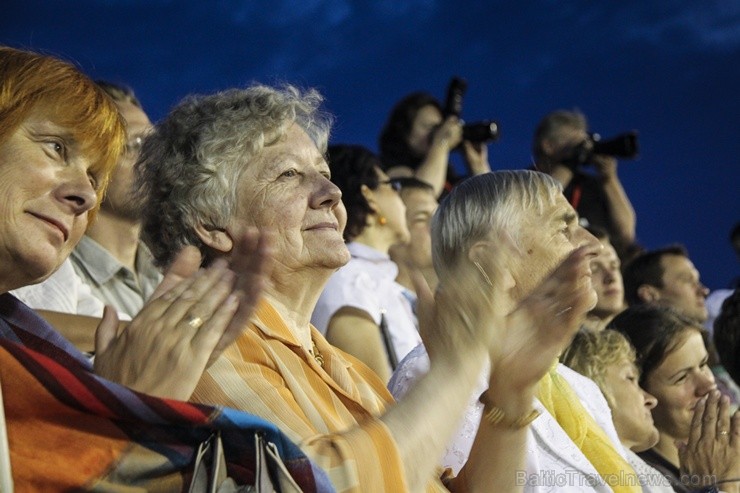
(369, 197)
(482, 255)
(218, 239)
(648, 293)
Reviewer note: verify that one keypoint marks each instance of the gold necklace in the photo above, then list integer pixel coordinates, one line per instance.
(314, 351)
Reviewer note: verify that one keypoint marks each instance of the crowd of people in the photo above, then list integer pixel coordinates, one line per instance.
(226, 300)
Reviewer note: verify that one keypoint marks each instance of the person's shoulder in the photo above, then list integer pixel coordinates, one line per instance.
(584, 387)
(411, 368)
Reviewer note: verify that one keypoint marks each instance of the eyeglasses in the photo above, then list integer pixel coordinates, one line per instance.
(133, 146)
(394, 183)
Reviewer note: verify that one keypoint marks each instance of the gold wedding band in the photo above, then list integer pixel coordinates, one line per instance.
(195, 322)
(724, 432)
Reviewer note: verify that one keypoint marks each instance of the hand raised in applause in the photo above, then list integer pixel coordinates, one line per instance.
(544, 322)
(190, 319)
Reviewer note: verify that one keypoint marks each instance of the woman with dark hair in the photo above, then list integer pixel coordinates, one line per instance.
(362, 309)
(674, 367)
(417, 140)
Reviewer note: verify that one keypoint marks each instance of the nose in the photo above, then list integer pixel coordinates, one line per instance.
(76, 192)
(703, 290)
(326, 193)
(705, 383)
(584, 238)
(650, 400)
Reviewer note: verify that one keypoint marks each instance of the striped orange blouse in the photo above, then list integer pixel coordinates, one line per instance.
(330, 412)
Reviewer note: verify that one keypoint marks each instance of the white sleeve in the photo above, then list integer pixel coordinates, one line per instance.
(65, 292)
(57, 293)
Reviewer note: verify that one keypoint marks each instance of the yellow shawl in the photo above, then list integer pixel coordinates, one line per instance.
(562, 402)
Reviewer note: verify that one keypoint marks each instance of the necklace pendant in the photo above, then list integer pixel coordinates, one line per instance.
(316, 354)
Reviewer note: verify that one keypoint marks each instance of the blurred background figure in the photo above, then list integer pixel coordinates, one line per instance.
(417, 140)
(362, 309)
(561, 147)
(606, 278)
(111, 258)
(727, 335)
(420, 202)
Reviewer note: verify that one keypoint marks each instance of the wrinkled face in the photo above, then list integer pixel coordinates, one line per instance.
(420, 207)
(46, 191)
(678, 383)
(391, 207)
(118, 196)
(607, 281)
(546, 240)
(286, 189)
(632, 405)
(682, 288)
(427, 120)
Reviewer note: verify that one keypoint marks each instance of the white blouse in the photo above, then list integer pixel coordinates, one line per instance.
(553, 461)
(368, 282)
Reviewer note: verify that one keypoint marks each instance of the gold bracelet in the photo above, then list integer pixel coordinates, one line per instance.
(496, 416)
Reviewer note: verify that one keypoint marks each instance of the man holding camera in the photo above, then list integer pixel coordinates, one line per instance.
(561, 146)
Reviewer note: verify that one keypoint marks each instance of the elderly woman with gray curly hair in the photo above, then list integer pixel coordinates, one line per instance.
(223, 164)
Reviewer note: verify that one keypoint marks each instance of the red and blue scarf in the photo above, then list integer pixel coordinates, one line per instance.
(70, 430)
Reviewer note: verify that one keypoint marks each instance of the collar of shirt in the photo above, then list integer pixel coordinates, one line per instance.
(381, 260)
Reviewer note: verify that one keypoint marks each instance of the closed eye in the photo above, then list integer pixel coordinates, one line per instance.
(680, 379)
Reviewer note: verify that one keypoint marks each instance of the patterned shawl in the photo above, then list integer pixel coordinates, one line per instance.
(71, 430)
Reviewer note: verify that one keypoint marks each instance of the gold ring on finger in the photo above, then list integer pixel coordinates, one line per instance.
(195, 322)
(724, 433)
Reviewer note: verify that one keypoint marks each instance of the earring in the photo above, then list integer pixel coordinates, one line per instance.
(382, 220)
(483, 273)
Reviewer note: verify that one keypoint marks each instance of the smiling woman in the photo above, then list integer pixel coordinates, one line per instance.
(224, 163)
(55, 162)
(68, 427)
(674, 366)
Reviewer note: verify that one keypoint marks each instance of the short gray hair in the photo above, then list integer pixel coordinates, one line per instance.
(550, 127)
(190, 164)
(491, 202)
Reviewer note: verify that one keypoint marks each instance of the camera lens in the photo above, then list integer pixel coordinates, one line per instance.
(483, 131)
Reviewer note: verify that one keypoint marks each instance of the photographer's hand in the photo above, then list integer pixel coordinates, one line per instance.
(621, 212)
(606, 166)
(449, 134)
(476, 157)
(433, 169)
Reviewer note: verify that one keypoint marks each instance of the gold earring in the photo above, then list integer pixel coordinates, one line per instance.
(382, 220)
(483, 273)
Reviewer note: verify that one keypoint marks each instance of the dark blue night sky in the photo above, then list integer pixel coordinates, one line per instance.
(668, 69)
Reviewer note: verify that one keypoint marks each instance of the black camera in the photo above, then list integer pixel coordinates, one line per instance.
(478, 132)
(623, 146)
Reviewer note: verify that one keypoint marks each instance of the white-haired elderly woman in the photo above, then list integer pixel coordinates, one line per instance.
(220, 164)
